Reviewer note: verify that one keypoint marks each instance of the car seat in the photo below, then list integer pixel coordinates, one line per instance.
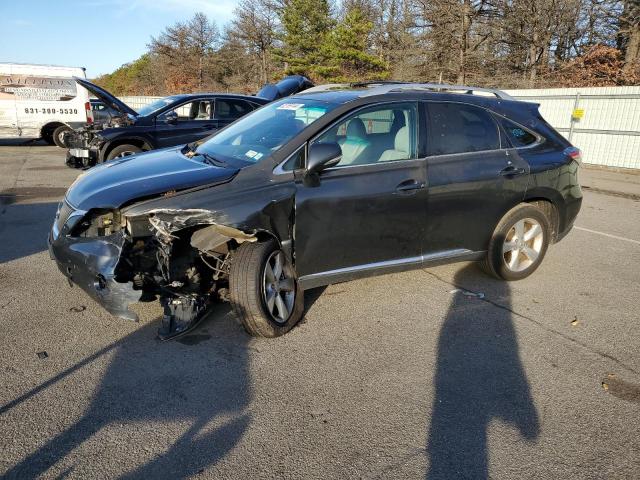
(401, 147)
(355, 146)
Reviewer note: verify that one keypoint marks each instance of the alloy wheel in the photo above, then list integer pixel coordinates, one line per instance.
(523, 244)
(278, 287)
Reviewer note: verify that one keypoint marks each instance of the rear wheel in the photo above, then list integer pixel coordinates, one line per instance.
(264, 291)
(123, 151)
(58, 135)
(519, 243)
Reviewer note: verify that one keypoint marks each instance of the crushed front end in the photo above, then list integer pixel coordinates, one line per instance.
(181, 258)
(83, 151)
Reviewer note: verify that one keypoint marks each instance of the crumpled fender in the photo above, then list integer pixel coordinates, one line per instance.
(91, 264)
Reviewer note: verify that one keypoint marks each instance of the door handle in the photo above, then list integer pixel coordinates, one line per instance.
(409, 186)
(512, 171)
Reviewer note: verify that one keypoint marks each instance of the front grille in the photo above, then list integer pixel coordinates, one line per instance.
(63, 214)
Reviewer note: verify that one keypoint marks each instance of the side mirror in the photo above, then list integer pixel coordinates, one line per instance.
(323, 155)
(171, 118)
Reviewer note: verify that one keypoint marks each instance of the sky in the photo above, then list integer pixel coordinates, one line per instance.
(99, 35)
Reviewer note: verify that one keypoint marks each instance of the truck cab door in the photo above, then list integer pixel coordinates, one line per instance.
(8, 116)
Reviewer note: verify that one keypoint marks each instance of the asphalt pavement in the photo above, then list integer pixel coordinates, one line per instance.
(434, 373)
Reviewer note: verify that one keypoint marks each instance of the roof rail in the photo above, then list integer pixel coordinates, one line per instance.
(380, 87)
(443, 87)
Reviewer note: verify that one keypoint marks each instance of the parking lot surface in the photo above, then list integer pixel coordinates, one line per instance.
(434, 373)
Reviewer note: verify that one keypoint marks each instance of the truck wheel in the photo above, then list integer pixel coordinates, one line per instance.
(58, 133)
(518, 244)
(264, 291)
(123, 151)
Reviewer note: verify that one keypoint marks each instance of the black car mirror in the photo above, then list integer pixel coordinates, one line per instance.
(171, 118)
(323, 155)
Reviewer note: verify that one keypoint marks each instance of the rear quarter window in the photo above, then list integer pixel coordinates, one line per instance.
(518, 136)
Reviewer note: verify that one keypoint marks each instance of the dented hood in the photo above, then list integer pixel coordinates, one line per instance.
(137, 177)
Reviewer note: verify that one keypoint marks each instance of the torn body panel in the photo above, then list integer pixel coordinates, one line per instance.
(91, 264)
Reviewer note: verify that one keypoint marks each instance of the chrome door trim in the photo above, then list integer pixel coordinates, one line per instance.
(388, 266)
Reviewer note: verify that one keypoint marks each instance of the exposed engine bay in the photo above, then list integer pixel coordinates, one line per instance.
(181, 257)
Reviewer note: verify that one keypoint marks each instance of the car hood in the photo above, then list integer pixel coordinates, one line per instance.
(106, 97)
(137, 177)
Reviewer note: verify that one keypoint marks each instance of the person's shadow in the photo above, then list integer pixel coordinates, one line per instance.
(198, 381)
(479, 377)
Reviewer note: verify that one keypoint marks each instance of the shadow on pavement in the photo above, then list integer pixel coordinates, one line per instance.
(23, 142)
(204, 386)
(201, 379)
(24, 227)
(479, 378)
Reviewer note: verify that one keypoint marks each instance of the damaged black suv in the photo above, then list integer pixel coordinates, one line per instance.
(330, 185)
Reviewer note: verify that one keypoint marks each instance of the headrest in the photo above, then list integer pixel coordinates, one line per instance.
(398, 120)
(356, 129)
(402, 141)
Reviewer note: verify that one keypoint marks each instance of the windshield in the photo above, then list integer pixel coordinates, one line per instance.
(261, 133)
(155, 106)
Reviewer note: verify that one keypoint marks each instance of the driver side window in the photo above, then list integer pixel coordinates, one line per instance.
(378, 134)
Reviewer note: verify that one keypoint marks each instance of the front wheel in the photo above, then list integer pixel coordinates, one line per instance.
(518, 244)
(123, 151)
(264, 291)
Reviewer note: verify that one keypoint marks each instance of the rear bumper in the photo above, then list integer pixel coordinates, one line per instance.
(90, 263)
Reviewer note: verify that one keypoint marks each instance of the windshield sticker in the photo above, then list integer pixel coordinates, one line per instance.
(251, 153)
(290, 106)
(258, 156)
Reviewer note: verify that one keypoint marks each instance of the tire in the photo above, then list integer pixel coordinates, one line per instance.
(510, 257)
(57, 136)
(123, 151)
(48, 137)
(249, 283)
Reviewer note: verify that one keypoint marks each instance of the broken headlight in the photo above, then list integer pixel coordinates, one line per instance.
(97, 223)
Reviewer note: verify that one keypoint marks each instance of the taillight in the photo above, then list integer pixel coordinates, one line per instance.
(88, 112)
(574, 154)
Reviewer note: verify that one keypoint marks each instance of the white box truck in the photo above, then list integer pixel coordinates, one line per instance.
(41, 101)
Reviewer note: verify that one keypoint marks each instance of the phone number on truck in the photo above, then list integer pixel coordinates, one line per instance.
(61, 111)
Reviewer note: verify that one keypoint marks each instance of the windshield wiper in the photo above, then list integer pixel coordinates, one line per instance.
(210, 159)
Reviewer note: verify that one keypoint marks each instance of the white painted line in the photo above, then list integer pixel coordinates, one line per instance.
(608, 235)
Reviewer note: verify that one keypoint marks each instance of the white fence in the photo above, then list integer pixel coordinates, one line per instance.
(608, 134)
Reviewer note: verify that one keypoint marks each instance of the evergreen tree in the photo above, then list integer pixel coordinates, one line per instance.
(305, 25)
(347, 51)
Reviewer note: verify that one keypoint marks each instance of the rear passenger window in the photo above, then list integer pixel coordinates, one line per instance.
(518, 135)
(458, 128)
(230, 109)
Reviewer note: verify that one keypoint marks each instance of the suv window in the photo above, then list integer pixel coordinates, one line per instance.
(518, 135)
(196, 110)
(458, 128)
(377, 134)
(230, 109)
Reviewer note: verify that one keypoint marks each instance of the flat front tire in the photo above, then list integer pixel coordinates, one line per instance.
(518, 244)
(264, 291)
